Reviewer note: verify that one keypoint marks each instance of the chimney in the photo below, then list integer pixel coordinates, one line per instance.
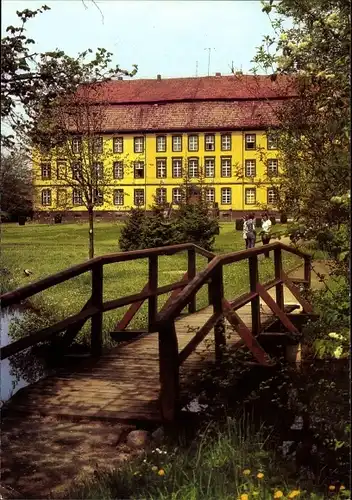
(158, 77)
(217, 74)
(120, 78)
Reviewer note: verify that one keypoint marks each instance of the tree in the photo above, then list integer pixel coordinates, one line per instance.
(313, 128)
(15, 184)
(32, 81)
(74, 129)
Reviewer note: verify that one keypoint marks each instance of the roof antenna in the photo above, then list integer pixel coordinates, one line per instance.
(196, 68)
(209, 49)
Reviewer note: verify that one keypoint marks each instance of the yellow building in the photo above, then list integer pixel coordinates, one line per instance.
(156, 133)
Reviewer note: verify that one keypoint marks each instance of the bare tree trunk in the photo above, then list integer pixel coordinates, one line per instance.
(91, 232)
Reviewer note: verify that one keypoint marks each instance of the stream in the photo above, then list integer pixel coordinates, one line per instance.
(8, 384)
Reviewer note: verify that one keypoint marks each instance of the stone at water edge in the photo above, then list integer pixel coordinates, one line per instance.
(138, 439)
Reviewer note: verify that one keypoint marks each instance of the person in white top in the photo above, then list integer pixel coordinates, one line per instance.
(266, 226)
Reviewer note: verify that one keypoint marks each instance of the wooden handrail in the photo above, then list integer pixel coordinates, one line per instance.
(22, 293)
(176, 306)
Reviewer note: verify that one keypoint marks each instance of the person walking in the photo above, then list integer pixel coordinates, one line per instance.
(266, 227)
(244, 231)
(250, 228)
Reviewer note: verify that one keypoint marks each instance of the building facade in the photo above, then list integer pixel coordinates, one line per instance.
(159, 134)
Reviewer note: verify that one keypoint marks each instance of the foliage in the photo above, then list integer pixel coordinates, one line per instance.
(192, 224)
(34, 80)
(313, 128)
(226, 460)
(15, 185)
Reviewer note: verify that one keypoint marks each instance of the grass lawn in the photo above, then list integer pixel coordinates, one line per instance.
(47, 249)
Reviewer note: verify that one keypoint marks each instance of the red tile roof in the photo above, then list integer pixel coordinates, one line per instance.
(180, 116)
(235, 87)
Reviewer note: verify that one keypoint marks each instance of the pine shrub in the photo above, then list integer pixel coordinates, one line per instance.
(132, 233)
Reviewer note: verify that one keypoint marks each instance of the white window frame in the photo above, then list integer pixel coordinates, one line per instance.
(177, 168)
(161, 168)
(250, 196)
(226, 142)
(210, 195)
(118, 144)
(271, 142)
(46, 171)
(161, 195)
(177, 143)
(250, 168)
(193, 142)
(250, 139)
(209, 167)
(98, 197)
(161, 143)
(46, 197)
(193, 168)
(76, 145)
(209, 142)
(226, 196)
(273, 167)
(226, 166)
(61, 165)
(272, 196)
(138, 144)
(138, 165)
(98, 169)
(77, 169)
(139, 192)
(177, 196)
(119, 197)
(77, 199)
(98, 145)
(118, 170)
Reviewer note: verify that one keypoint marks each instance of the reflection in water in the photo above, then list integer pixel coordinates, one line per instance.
(8, 383)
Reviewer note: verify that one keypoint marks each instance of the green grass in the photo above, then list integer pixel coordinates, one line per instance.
(222, 464)
(47, 249)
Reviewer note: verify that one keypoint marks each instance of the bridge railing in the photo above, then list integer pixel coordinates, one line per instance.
(95, 306)
(170, 358)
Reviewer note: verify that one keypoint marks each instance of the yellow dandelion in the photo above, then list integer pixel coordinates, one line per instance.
(154, 468)
(278, 494)
(161, 472)
(332, 487)
(246, 472)
(260, 475)
(244, 496)
(293, 494)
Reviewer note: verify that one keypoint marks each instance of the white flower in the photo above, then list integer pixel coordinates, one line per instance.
(338, 352)
(334, 335)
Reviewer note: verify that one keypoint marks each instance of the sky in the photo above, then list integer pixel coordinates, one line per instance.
(170, 38)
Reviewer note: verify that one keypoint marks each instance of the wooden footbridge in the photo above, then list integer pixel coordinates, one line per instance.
(144, 378)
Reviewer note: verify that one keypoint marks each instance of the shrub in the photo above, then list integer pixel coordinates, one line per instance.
(132, 233)
(193, 225)
(159, 231)
(22, 220)
(239, 224)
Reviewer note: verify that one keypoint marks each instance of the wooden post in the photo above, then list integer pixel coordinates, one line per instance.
(153, 286)
(168, 371)
(97, 319)
(255, 303)
(278, 275)
(191, 271)
(307, 270)
(210, 298)
(217, 292)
